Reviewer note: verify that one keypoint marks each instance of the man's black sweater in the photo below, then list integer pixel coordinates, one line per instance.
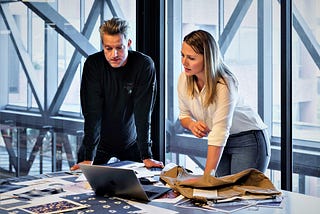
(117, 104)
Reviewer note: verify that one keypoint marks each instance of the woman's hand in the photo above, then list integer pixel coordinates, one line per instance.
(199, 129)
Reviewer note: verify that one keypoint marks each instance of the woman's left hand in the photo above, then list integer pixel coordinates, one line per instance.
(199, 129)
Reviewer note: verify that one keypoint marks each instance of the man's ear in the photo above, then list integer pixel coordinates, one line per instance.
(129, 43)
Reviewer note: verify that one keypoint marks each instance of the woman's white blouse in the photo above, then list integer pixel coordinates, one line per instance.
(227, 115)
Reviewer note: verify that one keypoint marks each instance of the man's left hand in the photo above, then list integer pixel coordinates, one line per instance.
(149, 163)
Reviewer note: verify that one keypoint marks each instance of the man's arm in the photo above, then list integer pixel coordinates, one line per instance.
(91, 104)
(145, 95)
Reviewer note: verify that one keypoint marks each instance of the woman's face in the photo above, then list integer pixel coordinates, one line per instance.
(191, 61)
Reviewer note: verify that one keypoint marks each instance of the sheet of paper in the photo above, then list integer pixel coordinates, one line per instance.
(229, 206)
(169, 200)
(81, 178)
(209, 194)
(147, 208)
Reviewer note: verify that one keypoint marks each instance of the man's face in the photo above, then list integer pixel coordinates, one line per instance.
(115, 48)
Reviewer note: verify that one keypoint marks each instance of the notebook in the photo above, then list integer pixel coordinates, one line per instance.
(121, 182)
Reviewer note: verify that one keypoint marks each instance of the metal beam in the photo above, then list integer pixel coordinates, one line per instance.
(233, 24)
(286, 94)
(23, 55)
(265, 61)
(75, 60)
(4, 62)
(34, 120)
(62, 26)
(220, 17)
(306, 36)
(115, 8)
(174, 14)
(51, 65)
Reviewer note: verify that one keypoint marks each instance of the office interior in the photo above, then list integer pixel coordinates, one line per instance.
(271, 46)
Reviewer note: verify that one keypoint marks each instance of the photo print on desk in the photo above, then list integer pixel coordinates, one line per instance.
(54, 207)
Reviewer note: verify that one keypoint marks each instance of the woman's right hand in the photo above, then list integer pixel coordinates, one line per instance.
(76, 166)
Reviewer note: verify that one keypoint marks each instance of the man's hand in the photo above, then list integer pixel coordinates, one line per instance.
(76, 166)
(152, 163)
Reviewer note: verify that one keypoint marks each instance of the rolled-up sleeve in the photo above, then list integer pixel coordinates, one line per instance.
(224, 107)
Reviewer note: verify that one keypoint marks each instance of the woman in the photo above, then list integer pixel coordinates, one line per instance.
(210, 106)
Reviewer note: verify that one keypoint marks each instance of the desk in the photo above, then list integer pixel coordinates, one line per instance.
(293, 203)
(80, 194)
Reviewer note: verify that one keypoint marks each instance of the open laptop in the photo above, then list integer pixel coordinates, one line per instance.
(122, 182)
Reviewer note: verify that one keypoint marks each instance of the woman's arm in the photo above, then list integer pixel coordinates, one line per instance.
(214, 153)
(213, 157)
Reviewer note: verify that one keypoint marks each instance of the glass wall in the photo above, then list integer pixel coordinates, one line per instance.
(305, 93)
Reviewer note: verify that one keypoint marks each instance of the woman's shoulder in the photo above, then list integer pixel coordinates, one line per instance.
(227, 82)
(182, 79)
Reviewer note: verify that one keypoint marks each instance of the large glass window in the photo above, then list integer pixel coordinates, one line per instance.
(305, 95)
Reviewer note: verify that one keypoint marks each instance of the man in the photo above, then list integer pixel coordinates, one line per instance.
(118, 91)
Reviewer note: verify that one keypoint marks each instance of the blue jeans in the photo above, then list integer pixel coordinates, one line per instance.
(249, 149)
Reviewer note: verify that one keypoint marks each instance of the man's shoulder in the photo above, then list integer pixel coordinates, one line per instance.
(139, 56)
(97, 55)
(95, 60)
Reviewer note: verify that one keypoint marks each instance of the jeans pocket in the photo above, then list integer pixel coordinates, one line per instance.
(267, 142)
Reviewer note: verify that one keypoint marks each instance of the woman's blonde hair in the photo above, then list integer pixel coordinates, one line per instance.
(215, 69)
